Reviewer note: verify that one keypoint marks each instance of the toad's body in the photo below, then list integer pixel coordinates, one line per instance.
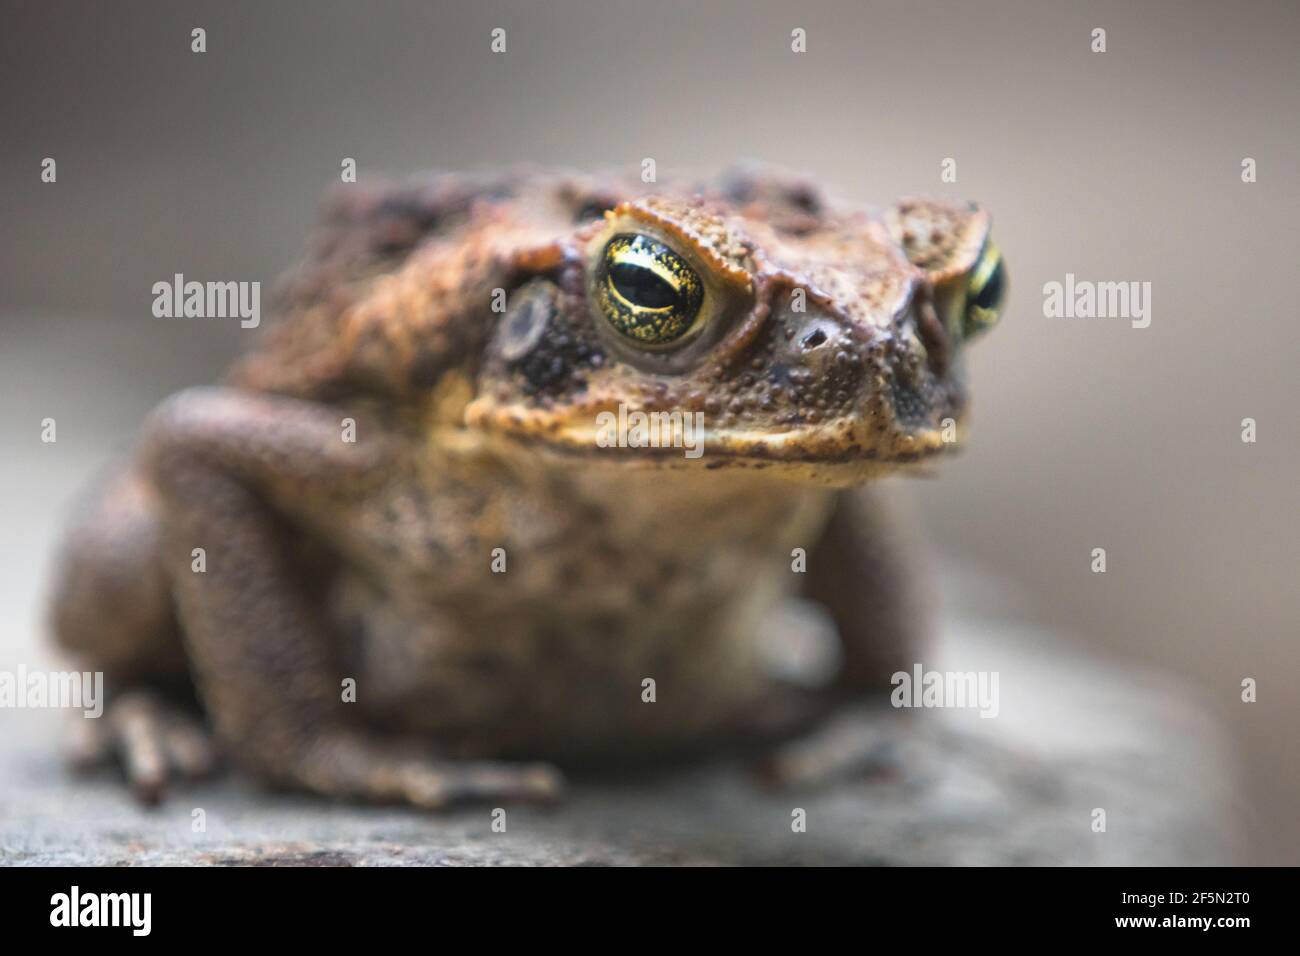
(545, 656)
(394, 544)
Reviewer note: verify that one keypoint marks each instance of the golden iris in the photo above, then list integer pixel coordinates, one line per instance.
(646, 291)
(985, 291)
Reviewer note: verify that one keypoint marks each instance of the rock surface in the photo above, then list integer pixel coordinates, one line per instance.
(1072, 734)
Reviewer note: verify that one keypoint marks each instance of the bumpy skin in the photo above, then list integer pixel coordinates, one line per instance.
(832, 355)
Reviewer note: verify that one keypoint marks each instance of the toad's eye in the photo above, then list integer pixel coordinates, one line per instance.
(646, 291)
(985, 292)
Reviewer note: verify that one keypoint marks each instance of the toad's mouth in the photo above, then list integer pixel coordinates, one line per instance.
(840, 451)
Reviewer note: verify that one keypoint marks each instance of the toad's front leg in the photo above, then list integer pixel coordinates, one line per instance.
(861, 573)
(230, 468)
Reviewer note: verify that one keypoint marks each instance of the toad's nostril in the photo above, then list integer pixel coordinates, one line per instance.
(814, 334)
(813, 339)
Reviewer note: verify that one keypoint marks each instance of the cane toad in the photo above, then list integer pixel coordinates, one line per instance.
(518, 447)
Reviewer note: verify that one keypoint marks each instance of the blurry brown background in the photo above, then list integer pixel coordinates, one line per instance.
(1115, 166)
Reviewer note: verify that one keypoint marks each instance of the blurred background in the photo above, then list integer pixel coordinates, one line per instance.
(1115, 166)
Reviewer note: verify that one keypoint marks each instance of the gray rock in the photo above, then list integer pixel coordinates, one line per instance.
(1072, 734)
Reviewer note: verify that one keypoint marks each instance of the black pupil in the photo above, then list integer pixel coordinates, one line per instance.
(641, 286)
(991, 294)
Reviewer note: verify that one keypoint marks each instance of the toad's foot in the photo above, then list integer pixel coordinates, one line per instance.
(358, 766)
(153, 741)
(860, 741)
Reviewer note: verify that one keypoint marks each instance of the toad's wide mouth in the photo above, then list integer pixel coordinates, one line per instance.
(841, 451)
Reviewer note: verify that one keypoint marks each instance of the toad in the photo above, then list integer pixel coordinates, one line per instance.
(403, 552)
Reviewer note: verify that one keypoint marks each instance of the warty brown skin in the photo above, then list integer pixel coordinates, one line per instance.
(372, 560)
